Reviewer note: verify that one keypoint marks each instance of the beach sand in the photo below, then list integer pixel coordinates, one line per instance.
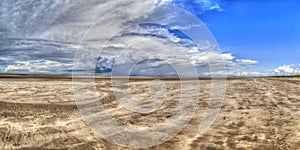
(258, 113)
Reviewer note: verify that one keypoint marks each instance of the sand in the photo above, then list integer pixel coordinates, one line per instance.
(258, 113)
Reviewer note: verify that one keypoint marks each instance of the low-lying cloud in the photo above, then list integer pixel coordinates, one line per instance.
(287, 70)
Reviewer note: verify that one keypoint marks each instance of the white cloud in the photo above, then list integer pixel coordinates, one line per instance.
(38, 66)
(228, 56)
(200, 6)
(165, 1)
(235, 74)
(212, 5)
(246, 62)
(246, 74)
(287, 70)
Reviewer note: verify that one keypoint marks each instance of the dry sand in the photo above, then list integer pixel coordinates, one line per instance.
(258, 113)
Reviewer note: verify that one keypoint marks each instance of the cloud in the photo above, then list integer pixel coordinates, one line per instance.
(212, 5)
(240, 72)
(60, 20)
(228, 56)
(198, 7)
(287, 70)
(247, 74)
(24, 54)
(235, 74)
(35, 66)
(152, 48)
(246, 62)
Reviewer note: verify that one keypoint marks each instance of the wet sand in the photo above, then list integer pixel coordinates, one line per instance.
(258, 113)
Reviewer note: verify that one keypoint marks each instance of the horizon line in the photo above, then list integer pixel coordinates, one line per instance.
(8, 75)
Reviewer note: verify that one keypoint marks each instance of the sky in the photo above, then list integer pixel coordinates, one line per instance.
(255, 38)
(266, 31)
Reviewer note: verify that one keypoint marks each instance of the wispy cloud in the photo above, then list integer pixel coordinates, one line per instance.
(198, 7)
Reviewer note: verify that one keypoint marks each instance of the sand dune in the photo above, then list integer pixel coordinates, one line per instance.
(258, 113)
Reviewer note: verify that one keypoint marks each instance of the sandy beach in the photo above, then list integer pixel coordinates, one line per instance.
(258, 113)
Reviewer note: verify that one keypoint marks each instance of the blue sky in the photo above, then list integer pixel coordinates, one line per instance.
(267, 31)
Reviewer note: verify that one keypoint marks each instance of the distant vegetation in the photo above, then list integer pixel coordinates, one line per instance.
(286, 76)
